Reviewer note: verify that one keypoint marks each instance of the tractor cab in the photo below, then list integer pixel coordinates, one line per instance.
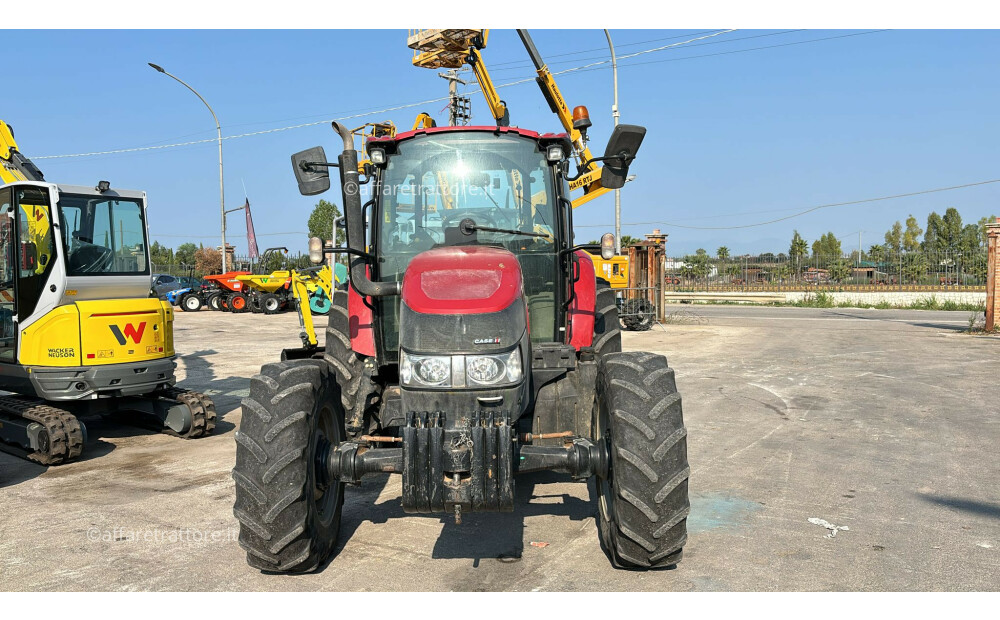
(488, 191)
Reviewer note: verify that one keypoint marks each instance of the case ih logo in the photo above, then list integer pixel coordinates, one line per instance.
(131, 331)
(486, 341)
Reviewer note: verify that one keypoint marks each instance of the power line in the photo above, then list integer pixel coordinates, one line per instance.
(749, 49)
(311, 124)
(756, 36)
(595, 66)
(599, 49)
(800, 213)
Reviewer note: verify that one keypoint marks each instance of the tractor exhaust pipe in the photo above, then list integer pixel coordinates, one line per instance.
(348, 162)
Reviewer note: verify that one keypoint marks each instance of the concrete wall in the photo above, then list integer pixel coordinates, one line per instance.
(897, 298)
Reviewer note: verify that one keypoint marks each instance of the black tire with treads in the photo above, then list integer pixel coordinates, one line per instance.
(289, 518)
(607, 332)
(357, 391)
(643, 502)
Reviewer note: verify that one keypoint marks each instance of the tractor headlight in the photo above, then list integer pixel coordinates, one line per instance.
(433, 370)
(456, 371)
(483, 368)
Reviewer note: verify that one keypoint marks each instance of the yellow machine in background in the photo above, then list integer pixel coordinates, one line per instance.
(451, 48)
(78, 334)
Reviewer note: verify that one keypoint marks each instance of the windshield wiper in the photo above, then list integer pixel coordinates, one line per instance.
(468, 226)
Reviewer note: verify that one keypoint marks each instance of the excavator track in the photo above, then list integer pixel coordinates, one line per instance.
(61, 438)
(202, 412)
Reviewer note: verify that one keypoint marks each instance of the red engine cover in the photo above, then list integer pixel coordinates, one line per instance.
(462, 280)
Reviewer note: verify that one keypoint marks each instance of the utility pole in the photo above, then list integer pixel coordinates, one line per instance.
(458, 109)
(218, 129)
(614, 114)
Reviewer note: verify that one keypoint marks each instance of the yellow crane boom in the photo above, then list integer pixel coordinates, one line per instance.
(451, 48)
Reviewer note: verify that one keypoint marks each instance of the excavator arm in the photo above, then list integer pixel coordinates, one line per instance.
(13, 165)
(590, 178)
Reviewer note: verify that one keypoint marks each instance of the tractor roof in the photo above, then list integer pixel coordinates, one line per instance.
(527, 133)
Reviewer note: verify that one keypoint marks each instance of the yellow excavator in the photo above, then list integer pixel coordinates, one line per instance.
(78, 334)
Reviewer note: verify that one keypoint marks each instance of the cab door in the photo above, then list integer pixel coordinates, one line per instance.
(27, 252)
(8, 237)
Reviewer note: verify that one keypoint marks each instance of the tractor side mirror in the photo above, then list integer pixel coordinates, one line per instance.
(311, 171)
(622, 148)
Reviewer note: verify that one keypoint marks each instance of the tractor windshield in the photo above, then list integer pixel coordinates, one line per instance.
(501, 182)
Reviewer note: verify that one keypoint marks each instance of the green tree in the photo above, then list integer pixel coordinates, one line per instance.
(628, 240)
(894, 238)
(877, 253)
(911, 236)
(321, 221)
(982, 228)
(722, 253)
(952, 229)
(160, 256)
(827, 247)
(799, 248)
(840, 270)
(914, 267)
(970, 242)
(696, 265)
(798, 251)
(185, 254)
(932, 234)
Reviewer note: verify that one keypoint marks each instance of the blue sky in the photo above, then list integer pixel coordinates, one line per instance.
(733, 138)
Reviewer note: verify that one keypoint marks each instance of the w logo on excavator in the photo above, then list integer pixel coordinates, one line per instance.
(131, 331)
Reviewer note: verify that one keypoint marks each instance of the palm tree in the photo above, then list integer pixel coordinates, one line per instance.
(722, 253)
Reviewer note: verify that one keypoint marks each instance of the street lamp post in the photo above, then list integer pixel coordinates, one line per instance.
(218, 129)
(614, 113)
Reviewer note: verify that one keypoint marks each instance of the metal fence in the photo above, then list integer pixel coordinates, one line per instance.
(906, 271)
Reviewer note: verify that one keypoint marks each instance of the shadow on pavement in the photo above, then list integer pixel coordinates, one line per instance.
(493, 536)
(983, 509)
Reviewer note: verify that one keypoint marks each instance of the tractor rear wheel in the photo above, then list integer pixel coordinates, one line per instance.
(643, 499)
(270, 303)
(191, 302)
(607, 332)
(239, 302)
(289, 513)
(357, 390)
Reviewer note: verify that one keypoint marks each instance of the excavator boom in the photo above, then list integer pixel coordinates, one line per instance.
(13, 165)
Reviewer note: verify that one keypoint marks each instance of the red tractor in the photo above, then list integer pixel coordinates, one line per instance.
(474, 344)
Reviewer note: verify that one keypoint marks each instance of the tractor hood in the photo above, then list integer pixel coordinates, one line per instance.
(465, 299)
(462, 280)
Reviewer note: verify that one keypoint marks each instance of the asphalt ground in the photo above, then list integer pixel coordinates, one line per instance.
(881, 422)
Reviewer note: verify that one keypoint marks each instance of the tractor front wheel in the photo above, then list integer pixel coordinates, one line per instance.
(643, 498)
(191, 302)
(289, 512)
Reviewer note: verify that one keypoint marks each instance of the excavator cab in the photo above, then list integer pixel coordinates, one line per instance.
(78, 334)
